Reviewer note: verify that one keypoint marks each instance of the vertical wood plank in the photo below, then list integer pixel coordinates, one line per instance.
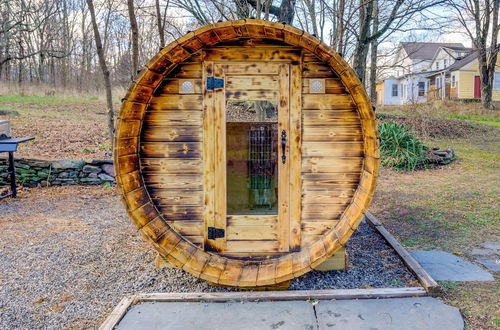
(295, 156)
(219, 126)
(284, 169)
(208, 155)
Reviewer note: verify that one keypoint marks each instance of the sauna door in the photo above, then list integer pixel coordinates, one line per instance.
(248, 115)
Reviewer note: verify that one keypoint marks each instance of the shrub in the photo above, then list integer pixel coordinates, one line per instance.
(400, 149)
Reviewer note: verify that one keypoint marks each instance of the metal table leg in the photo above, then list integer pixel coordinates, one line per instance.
(12, 171)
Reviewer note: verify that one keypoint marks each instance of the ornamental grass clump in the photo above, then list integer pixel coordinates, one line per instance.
(400, 149)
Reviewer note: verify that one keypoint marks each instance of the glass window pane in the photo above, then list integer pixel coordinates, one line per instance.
(251, 155)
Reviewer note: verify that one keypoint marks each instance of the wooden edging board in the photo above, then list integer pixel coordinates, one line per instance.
(255, 296)
(423, 277)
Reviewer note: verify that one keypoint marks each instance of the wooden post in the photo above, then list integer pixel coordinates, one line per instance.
(339, 261)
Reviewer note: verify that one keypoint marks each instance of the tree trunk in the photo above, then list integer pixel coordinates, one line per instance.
(487, 79)
(373, 59)
(311, 8)
(161, 31)
(104, 69)
(340, 27)
(287, 11)
(135, 37)
(361, 50)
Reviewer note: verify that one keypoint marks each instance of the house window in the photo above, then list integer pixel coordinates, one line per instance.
(394, 89)
(453, 81)
(496, 82)
(445, 63)
(421, 88)
(437, 65)
(438, 82)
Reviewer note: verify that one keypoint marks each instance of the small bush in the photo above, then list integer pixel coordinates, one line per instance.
(399, 149)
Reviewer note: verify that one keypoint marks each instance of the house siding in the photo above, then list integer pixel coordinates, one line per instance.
(466, 81)
(387, 93)
(466, 86)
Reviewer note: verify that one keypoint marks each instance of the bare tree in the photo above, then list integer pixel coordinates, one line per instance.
(104, 69)
(374, 54)
(135, 36)
(160, 21)
(397, 16)
(479, 18)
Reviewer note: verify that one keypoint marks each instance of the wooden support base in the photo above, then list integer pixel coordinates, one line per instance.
(339, 261)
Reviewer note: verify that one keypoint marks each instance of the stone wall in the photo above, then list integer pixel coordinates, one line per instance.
(36, 172)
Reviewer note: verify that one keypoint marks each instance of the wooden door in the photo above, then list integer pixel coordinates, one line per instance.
(249, 164)
(477, 87)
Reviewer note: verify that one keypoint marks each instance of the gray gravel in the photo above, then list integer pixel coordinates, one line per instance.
(69, 254)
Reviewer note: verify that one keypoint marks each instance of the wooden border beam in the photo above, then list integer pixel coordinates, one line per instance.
(423, 277)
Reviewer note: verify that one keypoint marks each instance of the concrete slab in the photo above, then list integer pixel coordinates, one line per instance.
(444, 266)
(386, 314)
(491, 245)
(492, 264)
(199, 315)
(483, 252)
(395, 313)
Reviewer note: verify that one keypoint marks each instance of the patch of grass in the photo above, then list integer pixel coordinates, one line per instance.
(107, 186)
(88, 150)
(410, 242)
(481, 119)
(45, 100)
(447, 285)
(477, 301)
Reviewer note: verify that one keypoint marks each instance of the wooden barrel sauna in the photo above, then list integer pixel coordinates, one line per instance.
(246, 152)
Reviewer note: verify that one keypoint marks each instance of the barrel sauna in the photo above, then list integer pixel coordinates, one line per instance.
(246, 152)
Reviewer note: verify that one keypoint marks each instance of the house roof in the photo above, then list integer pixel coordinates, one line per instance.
(457, 48)
(462, 62)
(455, 66)
(426, 50)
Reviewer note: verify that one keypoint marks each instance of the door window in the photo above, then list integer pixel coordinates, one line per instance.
(251, 157)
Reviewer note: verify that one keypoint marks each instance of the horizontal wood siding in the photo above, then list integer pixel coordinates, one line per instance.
(332, 150)
(171, 151)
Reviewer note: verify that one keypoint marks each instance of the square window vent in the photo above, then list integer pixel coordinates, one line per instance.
(317, 86)
(186, 86)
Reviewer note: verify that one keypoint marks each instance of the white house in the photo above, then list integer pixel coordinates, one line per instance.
(412, 63)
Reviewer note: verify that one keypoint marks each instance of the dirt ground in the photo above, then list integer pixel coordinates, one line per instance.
(64, 128)
(69, 254)
(453, 208)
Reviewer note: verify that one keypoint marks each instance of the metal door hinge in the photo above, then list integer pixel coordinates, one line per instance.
(214, 233)
(214, 83)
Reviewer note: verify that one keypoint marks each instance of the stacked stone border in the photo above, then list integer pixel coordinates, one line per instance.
(44, 173)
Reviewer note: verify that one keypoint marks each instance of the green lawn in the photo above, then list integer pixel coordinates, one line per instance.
(44, 100)
(453, 208)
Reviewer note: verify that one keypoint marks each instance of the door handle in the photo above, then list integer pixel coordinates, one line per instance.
(283, 146)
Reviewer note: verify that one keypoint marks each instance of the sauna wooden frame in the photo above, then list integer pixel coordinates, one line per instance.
(152, 224)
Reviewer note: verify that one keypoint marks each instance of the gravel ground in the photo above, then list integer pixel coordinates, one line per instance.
(69, 254)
